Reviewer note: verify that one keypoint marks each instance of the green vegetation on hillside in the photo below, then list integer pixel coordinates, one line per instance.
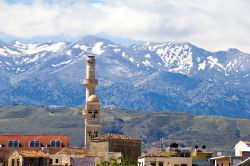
(217, 133)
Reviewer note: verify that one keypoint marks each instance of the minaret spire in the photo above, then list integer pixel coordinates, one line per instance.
(90, 82)
(92, 108)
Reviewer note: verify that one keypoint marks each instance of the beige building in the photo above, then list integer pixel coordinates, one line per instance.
(163, 159)
(66, 156)
(225, 161)
(129, 147)
(201, 157)
(28, 158)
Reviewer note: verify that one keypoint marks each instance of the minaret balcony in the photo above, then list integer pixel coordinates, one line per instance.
(93, 121)
(89, 83)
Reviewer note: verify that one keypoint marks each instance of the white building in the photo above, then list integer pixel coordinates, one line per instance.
(163, 159)
(242, 146)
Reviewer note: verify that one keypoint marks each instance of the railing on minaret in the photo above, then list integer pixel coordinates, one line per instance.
(92, 107)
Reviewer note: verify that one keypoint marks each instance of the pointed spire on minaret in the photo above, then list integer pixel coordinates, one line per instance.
(90, 82)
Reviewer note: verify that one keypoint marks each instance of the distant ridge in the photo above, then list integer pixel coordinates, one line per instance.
(173, 76)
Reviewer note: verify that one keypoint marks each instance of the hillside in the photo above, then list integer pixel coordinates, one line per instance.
(165, 76)
(218, 133)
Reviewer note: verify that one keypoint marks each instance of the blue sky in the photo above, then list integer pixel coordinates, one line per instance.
(211, 24)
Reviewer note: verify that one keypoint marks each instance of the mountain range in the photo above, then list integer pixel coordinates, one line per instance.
(164, 76)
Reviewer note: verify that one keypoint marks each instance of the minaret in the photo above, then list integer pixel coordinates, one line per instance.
(92, 108)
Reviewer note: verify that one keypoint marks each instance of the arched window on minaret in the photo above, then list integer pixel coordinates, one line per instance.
(89, 133)
(96, 113)
(96, 133)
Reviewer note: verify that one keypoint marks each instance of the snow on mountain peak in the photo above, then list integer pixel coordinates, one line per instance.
(97, 49)
(177, 57)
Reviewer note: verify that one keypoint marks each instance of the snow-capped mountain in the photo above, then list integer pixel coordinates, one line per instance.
(148, 76)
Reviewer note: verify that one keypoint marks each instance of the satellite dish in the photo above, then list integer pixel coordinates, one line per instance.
(219, 154)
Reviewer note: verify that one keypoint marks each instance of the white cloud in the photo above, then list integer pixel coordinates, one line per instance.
(212, 24)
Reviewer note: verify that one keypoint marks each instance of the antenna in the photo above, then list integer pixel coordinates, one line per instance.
(161, 140)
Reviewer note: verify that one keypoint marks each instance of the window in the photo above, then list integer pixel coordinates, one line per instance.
(12, 162)
(152, 163)
(183, 164)
(96, 133)
(50, 161)
(57, 161)
(89, 133)
(55, 144)
(34, 144)
(13, 143)
(18, 162)
(161, 163)
(95, 113)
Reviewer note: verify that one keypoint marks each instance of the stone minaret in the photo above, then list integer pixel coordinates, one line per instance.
(92, 108)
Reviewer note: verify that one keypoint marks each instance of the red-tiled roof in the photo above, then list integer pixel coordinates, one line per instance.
(33, 154)
(25, 139)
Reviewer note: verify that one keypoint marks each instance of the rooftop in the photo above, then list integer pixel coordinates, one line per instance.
(33, 153)
(246, 142)
(224, 157)
(245, 162)
(76, 151)
(158, 154)
(116, 137)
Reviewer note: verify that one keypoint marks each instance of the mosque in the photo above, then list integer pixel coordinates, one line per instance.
(128, 146)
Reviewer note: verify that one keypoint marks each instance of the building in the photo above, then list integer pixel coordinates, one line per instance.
(130, 147)
(73, 156)
(28, 158)
(49, 143)
(225, 161)
(242, 147)
(164, 159)
(109, 145)
(200, 156)
(33, 141)
(245, 162)
(92, 108)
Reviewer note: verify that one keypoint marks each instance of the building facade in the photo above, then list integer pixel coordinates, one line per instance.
(225, 161)
(73, 156)
(242, 146)
(49, 143)
(92, 109)
(33, 141)
(28, 158)
(161, 159)
(129, 147)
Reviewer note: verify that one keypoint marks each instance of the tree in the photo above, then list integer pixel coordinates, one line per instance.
(114, 162)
